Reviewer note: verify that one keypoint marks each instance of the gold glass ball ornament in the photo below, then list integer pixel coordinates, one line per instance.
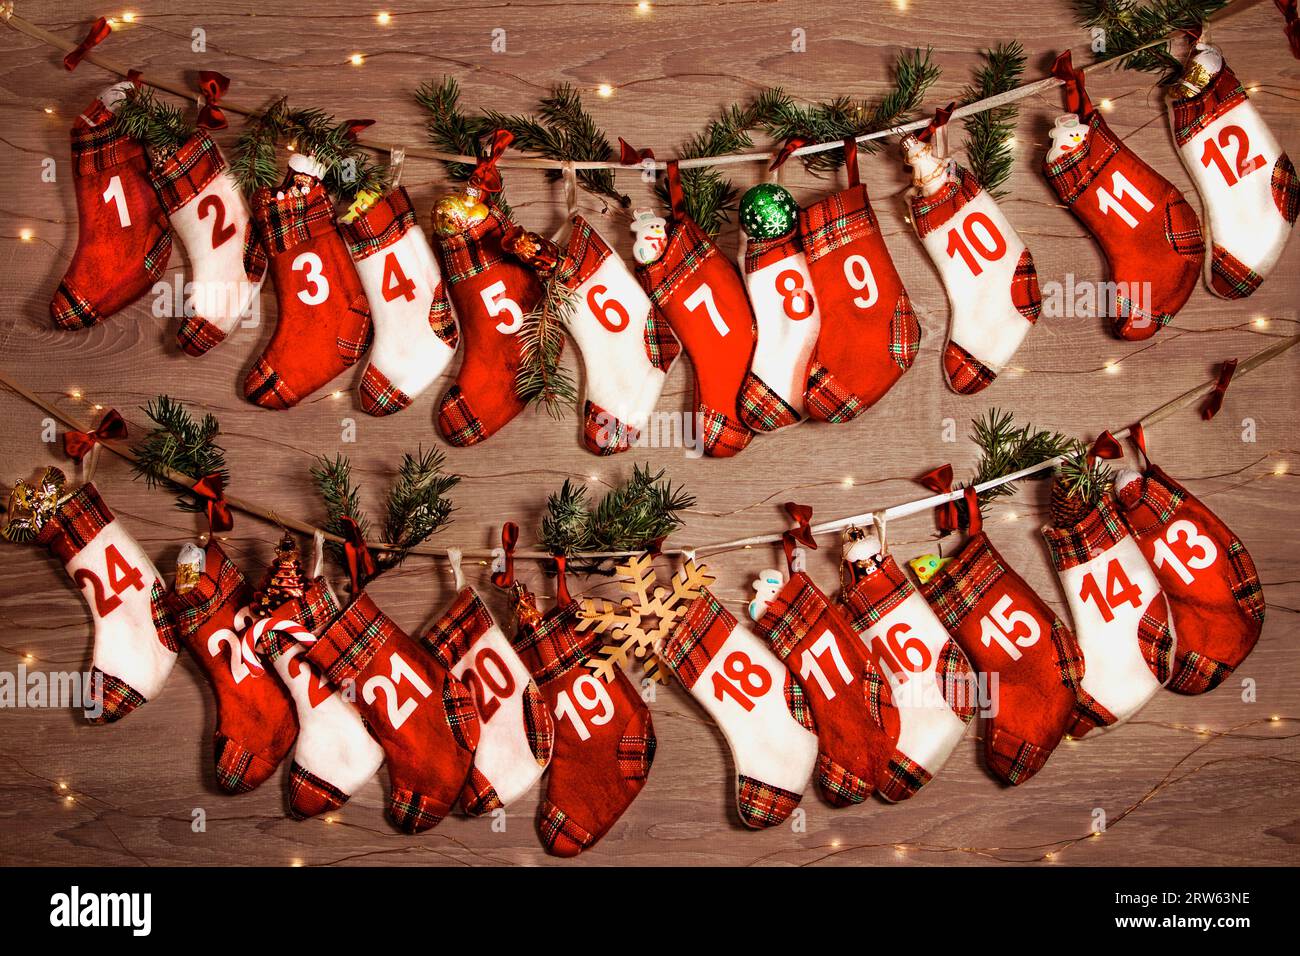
(453, 214)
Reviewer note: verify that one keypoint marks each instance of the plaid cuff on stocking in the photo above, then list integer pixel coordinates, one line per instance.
(220, 581)
(351, 641)
(765, 252)
(686, 653)
(465, 622)
(75, 523)
(931, 212)
(836, 221)
(381, 225)
(291, 221)
(1099, 530)
(554, 646)
(686, 248)
(585, 252)
(186, 173)
(891, 588)
(954, 591)
(102, 145)
(1197, 112)
(790, 614)
(315, 611)
(472, 252)
(1074, 172)
(1156, 498)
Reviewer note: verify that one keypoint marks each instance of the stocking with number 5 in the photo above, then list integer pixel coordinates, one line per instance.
(323, 324)
(1214, 591)
(1247, 183)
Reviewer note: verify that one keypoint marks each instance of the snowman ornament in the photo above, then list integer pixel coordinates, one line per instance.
(651, 235)
(1068, 135)
(766, 589)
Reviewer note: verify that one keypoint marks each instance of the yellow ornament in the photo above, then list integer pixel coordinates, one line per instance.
(363, 201)
(927, 566)
(453, 214)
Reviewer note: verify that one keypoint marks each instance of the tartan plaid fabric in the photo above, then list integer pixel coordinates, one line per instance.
(1088, 716)
(840, 787)
(585, 252)
(636, 752)
(197, 335)
(931, 212)
(1183, 229)
(1156, 638)
(1244, 580)
(475, 250)
(790, 614)
(687, 247)
(966, 374)
(459, 627)
(864, 612)
(603, 434)
(1019, 759)
(237, 767)
(272, 645)
(348, 644)
(903, 778)
(555, 644)
(761, 409)
(291, 221)
(1232, 278)
(874, 688)
(75, 524)
(462, 716)
(538, 728)
(557, 829)
(73, 310)
(163, 624)
(353, 349)
(1286, 189)
(479, 796)
(187, 172)
(381, 225)
(1197, 674)
(1126, 308)
(1074, 172)
(904, 333)
(378, 395)
(763, 805)
(457, 421)
(827, 400)
(685, 652)
(1024, 288)
(958, 587)
(1159, 493)
(765, 252)
(317, 608)
(263, 381)
(836, 221)
(97, 142)
(661, 346)
(190, 609)
(310, 795)
(1069, 662)
(955, 678)
(411, 812)
(723, 435)
(796, 701)
(1193, 114)
(1099, 530)
(116, 697)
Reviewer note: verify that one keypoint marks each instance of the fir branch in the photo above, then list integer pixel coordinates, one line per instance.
(1084, 479)
(179, 444)
(1125, 26)
(566, 526)
(540, 378)
(448, 128)
(631, 517)
(161, 127)
(342, 499)
(990, 134)
(1007, 448)
(418, 504)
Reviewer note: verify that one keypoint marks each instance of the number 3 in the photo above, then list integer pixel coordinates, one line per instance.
(310, 264)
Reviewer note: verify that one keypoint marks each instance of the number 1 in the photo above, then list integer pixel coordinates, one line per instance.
(117, 195)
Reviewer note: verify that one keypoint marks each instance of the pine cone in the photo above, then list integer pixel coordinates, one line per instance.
(1067, 507)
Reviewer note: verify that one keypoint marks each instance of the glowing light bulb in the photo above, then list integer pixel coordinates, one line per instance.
(1112, 367)
(605, 90)
(356, 59)
(63, 786)
(1280, 468)
(383, 19)
(75, 394)
(1261, 322)
(848, 482)
(49, 110)
(25, 235)
(128, 17)
(336, 394)
(643, 7)
(1107, 105)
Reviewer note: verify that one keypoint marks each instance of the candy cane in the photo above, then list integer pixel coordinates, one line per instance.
(283, 626)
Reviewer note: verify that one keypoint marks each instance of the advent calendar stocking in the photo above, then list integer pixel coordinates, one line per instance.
(423, 717)
(1149, 234)
(703, 298)
(1248, 186)
(1017, 645)
(135, 639)
(515, 730)
(986, 269)
(415, 332)
(123, 242)
(869, 335)
(256, 725)
(1121, 617)
(324, 320)
(209, 214)
(755, 701)
(931, 681)
(491, 293)
(335, 754)
(626, 346)
(1214, 592)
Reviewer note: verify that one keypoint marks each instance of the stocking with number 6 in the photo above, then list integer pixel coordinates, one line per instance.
(986, 268)
(323, 324)
(1247, 183)
(1215, 595)
(703, 298)
(869, 335)
(256, 725)
(1028, 660)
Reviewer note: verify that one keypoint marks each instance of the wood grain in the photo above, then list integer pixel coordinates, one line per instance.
(136, 784)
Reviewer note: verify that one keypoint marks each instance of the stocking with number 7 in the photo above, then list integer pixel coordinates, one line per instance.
(1215, 595)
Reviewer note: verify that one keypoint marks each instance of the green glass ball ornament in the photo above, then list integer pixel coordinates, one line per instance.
(768, 211)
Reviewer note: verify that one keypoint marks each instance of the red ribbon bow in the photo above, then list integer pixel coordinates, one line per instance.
(112, 427)
(941, 117)
(361, 563)
(353, 128)
(486, 178)
(99, 31)
(1076, 94)
(1214, 401)
(786, 151)
(801, 533)
(213, 86)
(212, 488)
(628, 155)
(562, 596)
(1292, 26)
(939, 480)
(509, 538)
(1105, 447)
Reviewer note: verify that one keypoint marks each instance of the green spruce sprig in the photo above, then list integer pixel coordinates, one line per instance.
(1084, 479)
(990, 145)
(341, 497)
(1126, 26)
(1006, 448)
(448, 127)
(541, 379)
(161, 127)
(179, 444)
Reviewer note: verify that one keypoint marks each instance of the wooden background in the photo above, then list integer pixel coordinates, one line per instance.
(1226, 799)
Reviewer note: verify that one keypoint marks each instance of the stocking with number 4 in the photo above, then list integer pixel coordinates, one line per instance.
(1215, 595)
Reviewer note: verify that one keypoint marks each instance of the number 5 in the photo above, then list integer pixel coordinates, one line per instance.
(496, 302)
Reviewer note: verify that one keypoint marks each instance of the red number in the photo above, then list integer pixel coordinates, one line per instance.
(991, 246)
(221, 230)
(395, 284)
(318, 690)
(747, 681)
(797, 301)
(1213, 153)
(480, 676)
(610, 312)
(1119, 590)
(120, 577)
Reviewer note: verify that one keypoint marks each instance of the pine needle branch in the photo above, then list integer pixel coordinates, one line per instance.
(566, 524)
(540, 378)
(418, 504)
(1084, 479)
(990, 143)
(1122, 27)
(180, 444)
(448, 128)
(161, 127)
(342, 499)
(1006, 448)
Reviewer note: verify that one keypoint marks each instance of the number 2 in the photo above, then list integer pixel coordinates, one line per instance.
(703, 296)
(1213, 154)
(117, 195)
(221, 230)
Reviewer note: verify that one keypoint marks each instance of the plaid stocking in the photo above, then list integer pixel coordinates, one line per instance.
(335, 754)
(515, 730)
(209, 214)
(703, 298)
(135, 639)
(929, 677)
(423, 717)
(857, 722)
(626, 347)
(415, 332)
(491, 293)
(869, 335)
(123, 242)
(1121, 617)
(757, 704)
(1012, 638)
(1214, 592)
(1149, 234)
(1248, 187)
(604, 738)
(324, 319)
(255, 724)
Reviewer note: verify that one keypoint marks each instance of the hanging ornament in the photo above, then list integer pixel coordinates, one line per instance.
(927, 566)
(768, 211)
(766, 587)
(538, 253)
(304, 174)
(453, 214)
(32, 505)
(285, 579)
(1067, 136)
(189, 567)
(651, 231)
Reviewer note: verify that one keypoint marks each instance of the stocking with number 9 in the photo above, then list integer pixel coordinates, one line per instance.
(324, 319)
(626, 346)
(703, 298)
(1149, 234)
(1027, 658)
(986, 268)
(415, 332)
(1247, 183)
(1214, 591)
(869, 335)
